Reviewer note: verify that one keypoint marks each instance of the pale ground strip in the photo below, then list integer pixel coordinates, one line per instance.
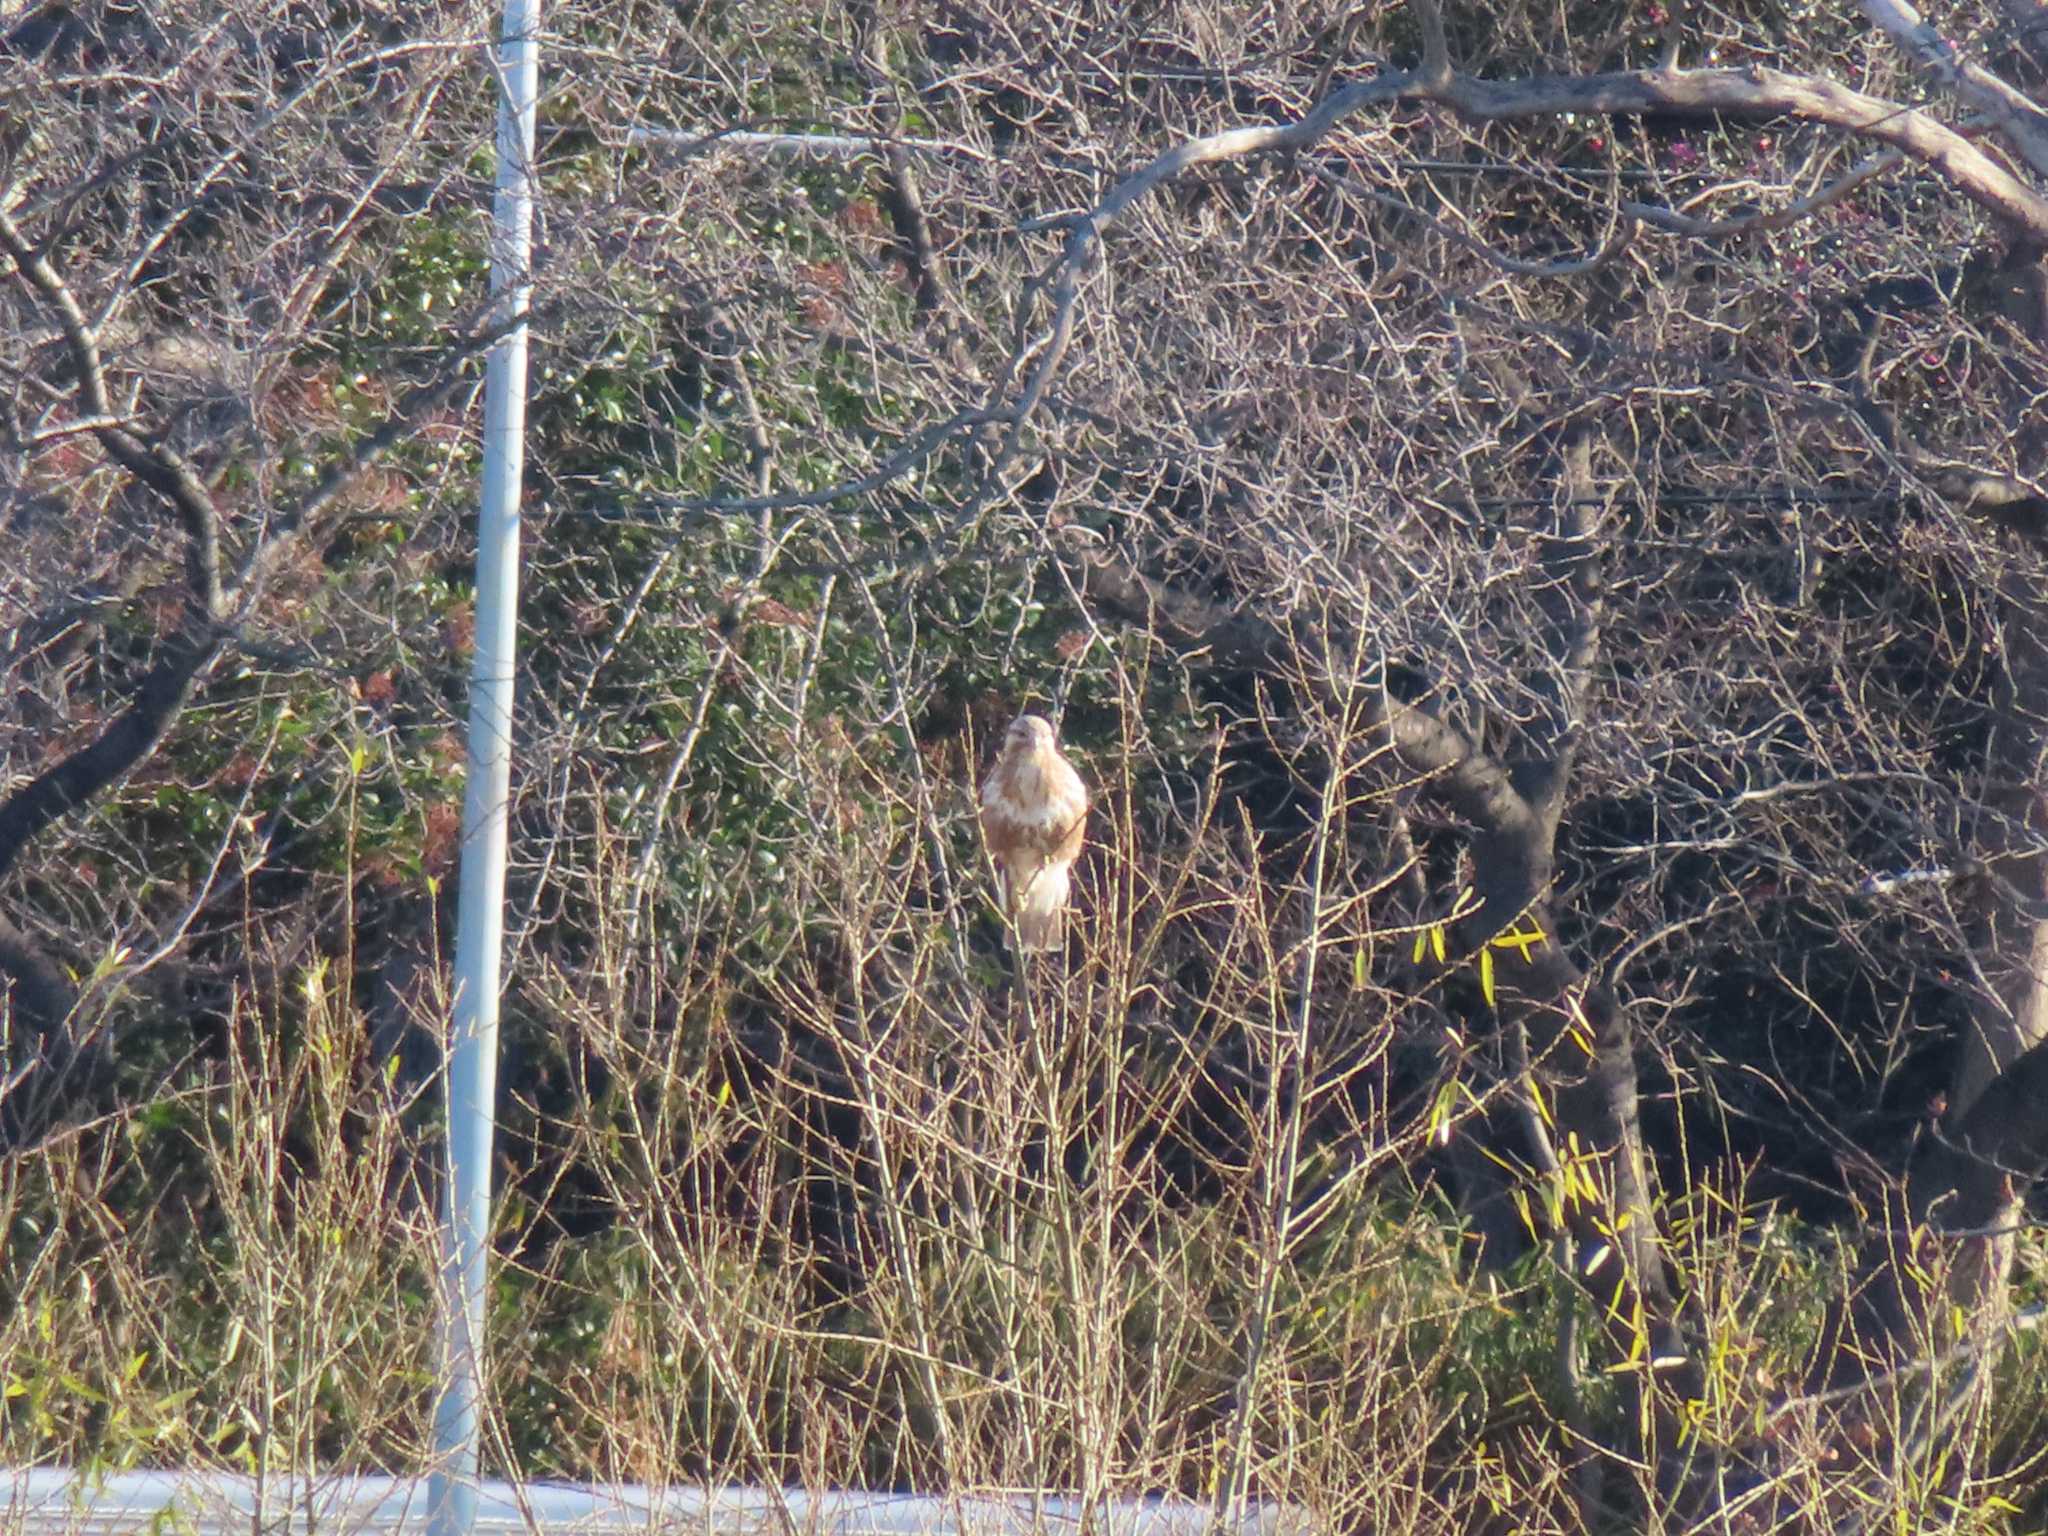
(57, 1502)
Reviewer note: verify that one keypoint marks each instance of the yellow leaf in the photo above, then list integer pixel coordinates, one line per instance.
(1486, 975)
(1521, 1198)
(1440, 1114)
(1509, 1166)
(1514, 937)
(1436, 941)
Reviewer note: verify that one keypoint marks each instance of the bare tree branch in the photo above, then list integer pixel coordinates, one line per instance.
(2021, 119)
(913, 231)
(155, 464)
(284, 533)
(1436, 53)
(1763, 92)
(82, 776)
(1870, 169)
(823, 146)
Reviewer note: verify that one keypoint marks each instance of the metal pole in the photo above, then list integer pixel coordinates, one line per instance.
(480, 922)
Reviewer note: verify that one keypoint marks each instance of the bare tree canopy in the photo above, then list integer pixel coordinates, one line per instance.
(1529, 523)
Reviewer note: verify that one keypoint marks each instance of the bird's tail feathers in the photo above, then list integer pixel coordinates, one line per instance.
(1041, 910)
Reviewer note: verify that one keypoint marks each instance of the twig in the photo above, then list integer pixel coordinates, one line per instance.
(1723, 229)
(1615, 244)
(818, 146)
(2022, 1321)
(911, 456)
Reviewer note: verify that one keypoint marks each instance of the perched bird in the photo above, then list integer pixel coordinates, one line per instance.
(1034, 813)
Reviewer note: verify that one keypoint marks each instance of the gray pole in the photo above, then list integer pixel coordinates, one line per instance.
(480, 923)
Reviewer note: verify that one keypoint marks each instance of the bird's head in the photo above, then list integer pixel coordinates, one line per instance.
(1029, 733)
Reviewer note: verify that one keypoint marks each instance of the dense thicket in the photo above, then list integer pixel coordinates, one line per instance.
(1531, 526)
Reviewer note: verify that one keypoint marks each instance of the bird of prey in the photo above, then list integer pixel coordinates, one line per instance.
(1034, 813)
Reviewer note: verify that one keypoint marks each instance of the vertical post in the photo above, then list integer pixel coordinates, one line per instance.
(480, 924)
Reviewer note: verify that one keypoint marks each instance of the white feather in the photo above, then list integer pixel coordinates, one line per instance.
(1044, 901)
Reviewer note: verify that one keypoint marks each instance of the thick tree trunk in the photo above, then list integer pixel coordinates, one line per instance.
(52, 1055)
(83, 776)
(43, 1055)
